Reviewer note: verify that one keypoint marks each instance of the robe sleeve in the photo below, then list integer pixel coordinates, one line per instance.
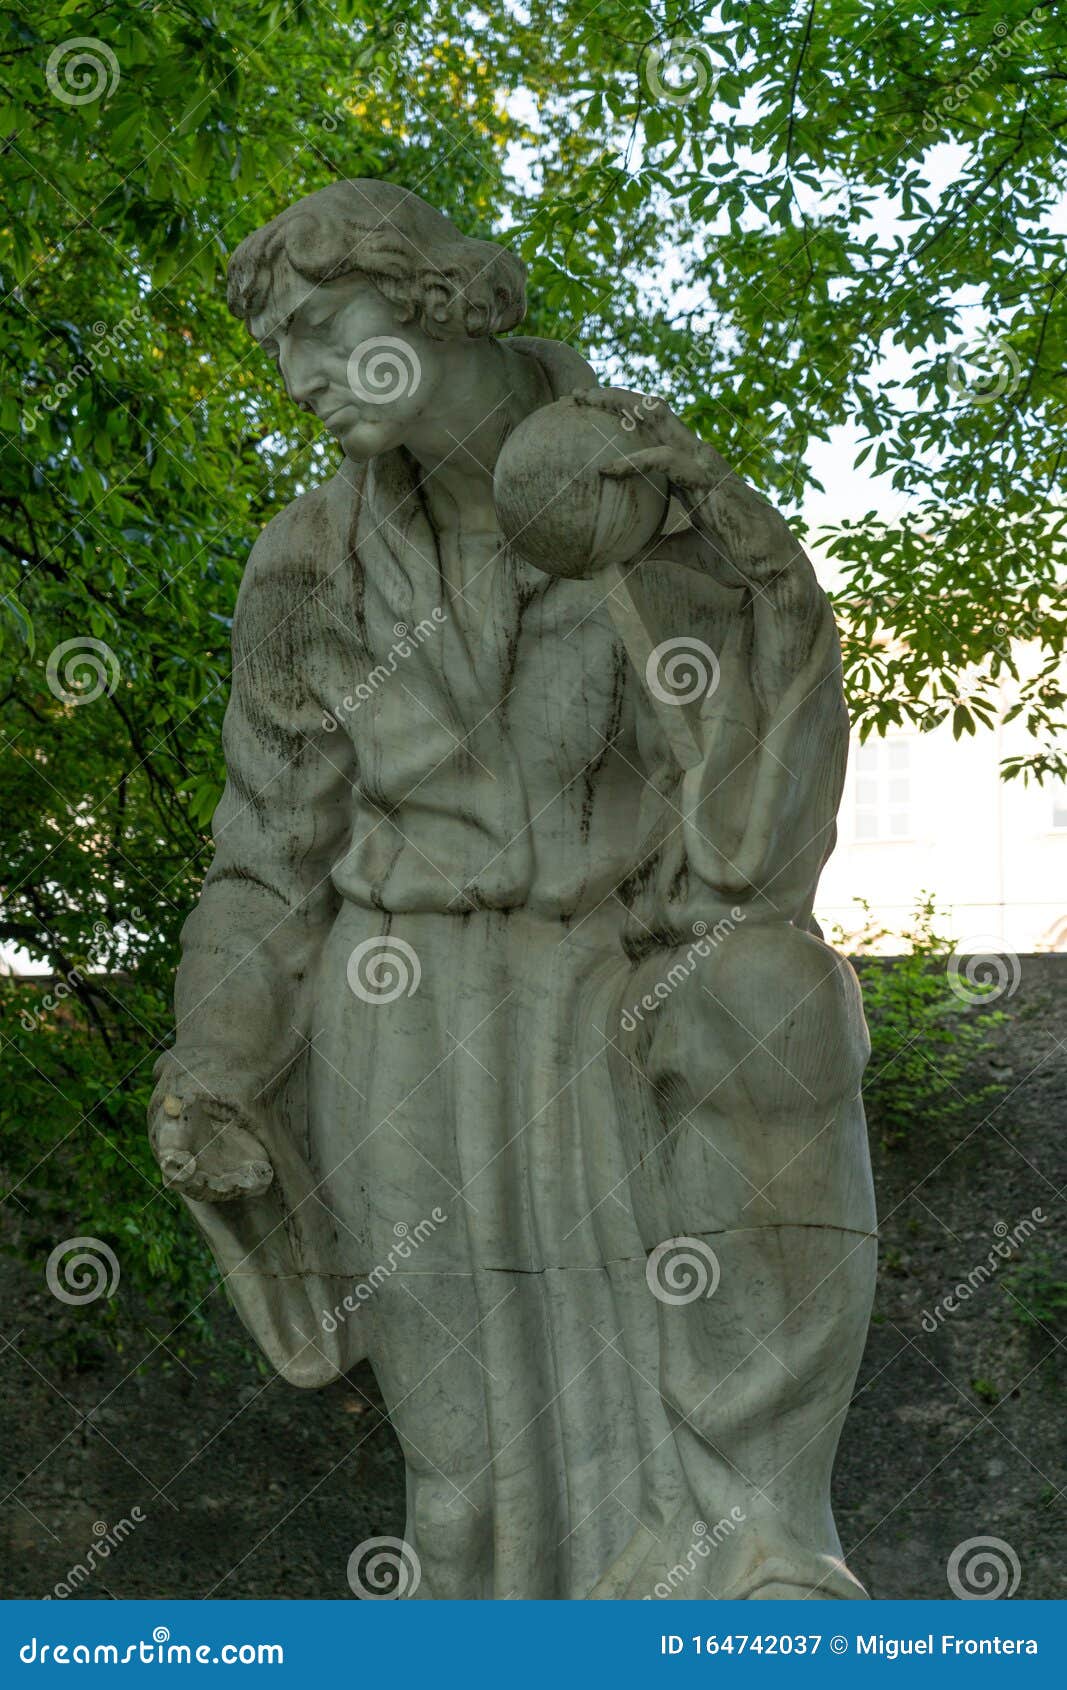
(249, 947)
(742, 803)
(249, 961)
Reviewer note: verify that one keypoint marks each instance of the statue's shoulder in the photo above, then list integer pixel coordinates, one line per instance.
(305, 536)
(301, 547)
(565, 368)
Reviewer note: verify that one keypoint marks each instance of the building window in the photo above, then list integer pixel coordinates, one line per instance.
(883, 789)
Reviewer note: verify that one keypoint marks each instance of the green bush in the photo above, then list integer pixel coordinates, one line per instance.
(924, 1034)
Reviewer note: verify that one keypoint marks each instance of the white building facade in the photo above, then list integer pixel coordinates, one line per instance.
(928, 813)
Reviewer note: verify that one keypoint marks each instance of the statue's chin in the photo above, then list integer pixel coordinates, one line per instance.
(365, 438)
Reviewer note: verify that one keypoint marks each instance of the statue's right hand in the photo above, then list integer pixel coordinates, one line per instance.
(203, 1144)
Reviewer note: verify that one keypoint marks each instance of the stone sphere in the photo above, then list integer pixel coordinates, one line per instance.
(553, 505)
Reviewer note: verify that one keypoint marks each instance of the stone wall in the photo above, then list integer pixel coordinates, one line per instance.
(205, 1476)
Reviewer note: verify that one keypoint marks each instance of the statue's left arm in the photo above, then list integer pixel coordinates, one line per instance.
(761, 749)
(250, 947)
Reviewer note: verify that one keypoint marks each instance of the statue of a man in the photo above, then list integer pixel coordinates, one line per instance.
(509, 1056)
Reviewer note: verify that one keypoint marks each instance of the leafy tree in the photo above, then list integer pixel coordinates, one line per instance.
(744, 207)
(144, 445)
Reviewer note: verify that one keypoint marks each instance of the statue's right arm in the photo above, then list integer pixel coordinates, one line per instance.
(250, 946)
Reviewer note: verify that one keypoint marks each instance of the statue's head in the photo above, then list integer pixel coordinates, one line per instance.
(363, 292)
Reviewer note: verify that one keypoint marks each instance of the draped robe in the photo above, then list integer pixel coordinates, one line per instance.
(465, 1192)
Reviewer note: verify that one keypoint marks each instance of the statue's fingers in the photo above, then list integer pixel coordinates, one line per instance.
(648, 459)
(184, 1175)
(170, 1133)
(612, 399)
(177, 1165)
(255, 1179)
(680, 469)
(196, 1187)
(248, 1179)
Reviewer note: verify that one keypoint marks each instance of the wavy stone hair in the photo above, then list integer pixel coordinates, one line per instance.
(449, 284)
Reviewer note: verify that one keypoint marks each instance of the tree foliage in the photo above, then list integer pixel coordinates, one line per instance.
(763, 211)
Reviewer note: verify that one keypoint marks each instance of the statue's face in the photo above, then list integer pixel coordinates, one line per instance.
(344, 356)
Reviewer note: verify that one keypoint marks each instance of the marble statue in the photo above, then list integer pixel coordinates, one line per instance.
(509, 1055)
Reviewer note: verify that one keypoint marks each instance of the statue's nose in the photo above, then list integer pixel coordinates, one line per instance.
(303, 381)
